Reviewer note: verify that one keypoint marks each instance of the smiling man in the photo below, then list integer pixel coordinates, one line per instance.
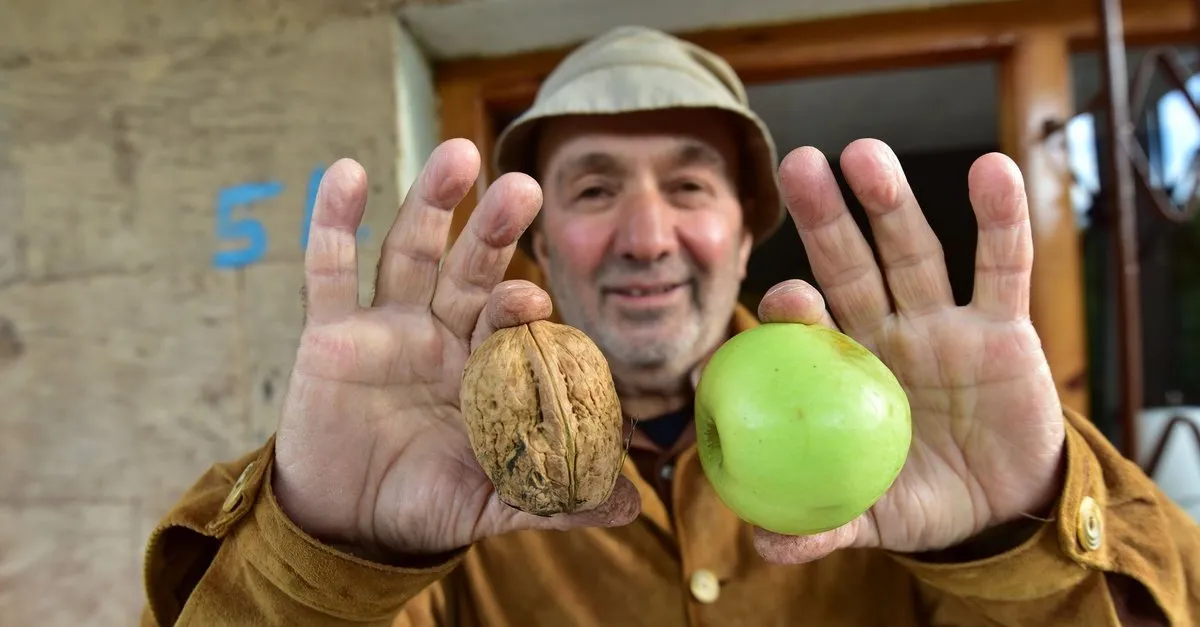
(643, 243)
(640, 181)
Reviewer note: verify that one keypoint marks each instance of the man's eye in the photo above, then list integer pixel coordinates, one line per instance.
(593, 192)
(689, 187)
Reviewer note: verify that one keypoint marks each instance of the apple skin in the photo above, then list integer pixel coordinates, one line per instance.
(800, 429)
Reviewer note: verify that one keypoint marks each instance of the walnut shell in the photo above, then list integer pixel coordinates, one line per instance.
(543, 417)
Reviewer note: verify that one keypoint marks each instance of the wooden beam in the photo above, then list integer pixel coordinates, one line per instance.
(884, 41)
(464, 113)
(1036, 90)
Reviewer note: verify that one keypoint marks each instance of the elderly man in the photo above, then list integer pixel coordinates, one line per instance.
(641, 182)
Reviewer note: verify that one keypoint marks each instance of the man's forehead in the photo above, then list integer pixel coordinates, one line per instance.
(594, 153)
(605, 142)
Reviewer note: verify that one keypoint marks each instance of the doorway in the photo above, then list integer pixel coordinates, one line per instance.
(938, 119)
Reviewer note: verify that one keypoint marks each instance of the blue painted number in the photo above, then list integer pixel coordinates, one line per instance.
(252, 230)
(314, 183)
(249, 229)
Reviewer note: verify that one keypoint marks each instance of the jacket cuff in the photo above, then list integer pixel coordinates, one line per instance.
(1055, 558)
(313, 573)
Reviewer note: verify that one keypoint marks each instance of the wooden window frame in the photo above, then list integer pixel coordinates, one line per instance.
(1031, 40)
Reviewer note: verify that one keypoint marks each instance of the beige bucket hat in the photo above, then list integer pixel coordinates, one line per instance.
(631, 69)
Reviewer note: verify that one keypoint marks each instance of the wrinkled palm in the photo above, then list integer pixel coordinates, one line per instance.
(371, 450)
(987, 423)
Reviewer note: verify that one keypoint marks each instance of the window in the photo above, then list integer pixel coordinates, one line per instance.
(1168, 130)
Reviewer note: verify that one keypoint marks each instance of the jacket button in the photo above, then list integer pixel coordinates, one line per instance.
(705, 586)
(234, 498)
(1089, 529)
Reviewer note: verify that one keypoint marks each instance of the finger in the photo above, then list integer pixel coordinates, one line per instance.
(413, 247)
(331, 255)
(480, 255)
(1004, 252)
(622, 508)
(911, 254)
(783, 549)
(794, 301)
(511, 303)
(840, 257)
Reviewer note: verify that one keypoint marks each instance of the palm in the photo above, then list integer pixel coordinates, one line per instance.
(987, 425)
(383, 385)
(980, 395)
(371, 448)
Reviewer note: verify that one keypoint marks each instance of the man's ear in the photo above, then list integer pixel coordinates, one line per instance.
(744, 248)
(538, 245)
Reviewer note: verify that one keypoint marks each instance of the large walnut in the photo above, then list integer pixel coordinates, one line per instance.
(544, 418)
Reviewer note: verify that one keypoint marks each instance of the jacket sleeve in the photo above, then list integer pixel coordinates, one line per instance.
(1115, 552)
(226, 554)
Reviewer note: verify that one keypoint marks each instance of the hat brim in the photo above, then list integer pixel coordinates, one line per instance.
(616, 91)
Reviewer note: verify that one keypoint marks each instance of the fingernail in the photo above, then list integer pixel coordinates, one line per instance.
(785, 288)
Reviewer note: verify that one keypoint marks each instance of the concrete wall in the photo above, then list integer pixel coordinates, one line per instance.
(137, 346)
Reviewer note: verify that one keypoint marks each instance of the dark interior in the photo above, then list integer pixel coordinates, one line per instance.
(939, 182)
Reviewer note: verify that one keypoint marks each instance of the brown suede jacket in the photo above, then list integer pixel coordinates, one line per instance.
(1116, 551)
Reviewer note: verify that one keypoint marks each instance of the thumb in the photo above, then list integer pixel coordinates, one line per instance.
(511, 303)
(795, 301)
(789, 301)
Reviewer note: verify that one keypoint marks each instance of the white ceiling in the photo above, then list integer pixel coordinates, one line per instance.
(454, 29)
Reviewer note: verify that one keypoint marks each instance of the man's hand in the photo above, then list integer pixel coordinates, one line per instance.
(988, 430)
(371, 451)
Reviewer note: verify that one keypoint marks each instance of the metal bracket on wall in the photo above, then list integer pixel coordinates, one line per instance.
(1167, 60)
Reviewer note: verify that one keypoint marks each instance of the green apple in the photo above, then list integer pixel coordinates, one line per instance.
(800, 429)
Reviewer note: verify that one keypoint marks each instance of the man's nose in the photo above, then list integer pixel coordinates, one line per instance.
(647, 228)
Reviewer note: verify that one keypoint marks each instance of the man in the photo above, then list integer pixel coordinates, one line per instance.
(643, 182)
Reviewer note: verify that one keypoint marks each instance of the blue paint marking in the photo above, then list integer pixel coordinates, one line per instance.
(250, 229)
(314, 183)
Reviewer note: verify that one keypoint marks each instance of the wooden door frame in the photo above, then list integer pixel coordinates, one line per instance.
(1031, 40)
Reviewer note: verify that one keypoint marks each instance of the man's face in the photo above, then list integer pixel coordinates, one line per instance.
(641, 233)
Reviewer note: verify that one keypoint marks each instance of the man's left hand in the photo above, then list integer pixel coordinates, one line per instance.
(988, 431)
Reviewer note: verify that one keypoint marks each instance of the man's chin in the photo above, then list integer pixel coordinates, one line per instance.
(639, 318)
(648, 347)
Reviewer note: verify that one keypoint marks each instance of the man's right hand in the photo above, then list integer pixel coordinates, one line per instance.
(371, 450)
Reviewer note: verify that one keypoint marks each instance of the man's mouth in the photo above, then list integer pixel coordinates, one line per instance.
(645, 290)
